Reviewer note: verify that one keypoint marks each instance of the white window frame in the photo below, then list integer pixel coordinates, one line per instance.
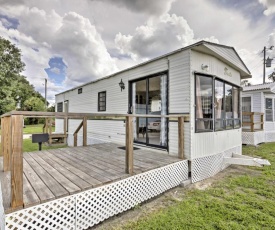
(272, 109)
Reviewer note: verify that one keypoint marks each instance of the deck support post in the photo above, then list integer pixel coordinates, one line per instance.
(6, 143)
(76, 132)
(129, 145)
(84, 131)
(252, 122)
(16, 161)
(181, 137)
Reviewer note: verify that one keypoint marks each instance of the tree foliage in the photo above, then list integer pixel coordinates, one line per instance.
(15, 89)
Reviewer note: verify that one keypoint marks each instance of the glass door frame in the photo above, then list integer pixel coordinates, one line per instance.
(130, 101)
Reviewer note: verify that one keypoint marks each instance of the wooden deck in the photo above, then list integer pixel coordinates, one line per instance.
(52, 174)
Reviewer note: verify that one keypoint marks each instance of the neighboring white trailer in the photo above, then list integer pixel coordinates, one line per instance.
(259, 99)
(201, 80)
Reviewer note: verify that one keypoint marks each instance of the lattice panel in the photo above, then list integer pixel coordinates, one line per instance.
(99, 204)
(269, 136)
(253, 138)
(57, 214)
(85, 209)
(205, 167)
(2, 213)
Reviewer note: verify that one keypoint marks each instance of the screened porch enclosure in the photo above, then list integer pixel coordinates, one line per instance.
(217, 104)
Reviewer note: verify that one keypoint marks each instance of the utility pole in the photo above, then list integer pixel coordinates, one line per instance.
(264, 62)
(264, 66)
(46, 94)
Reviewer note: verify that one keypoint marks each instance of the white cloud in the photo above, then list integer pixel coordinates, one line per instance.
(55, 70)
(158, 36)
(150, 7)
(270, 5)
(70, 36)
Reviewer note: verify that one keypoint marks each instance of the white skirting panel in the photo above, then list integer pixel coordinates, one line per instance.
(269, 136)
(205, 167)
(253, 138)
(88, 208)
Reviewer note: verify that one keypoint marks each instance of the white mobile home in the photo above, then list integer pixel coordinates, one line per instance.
(258, 100)
(201, 80)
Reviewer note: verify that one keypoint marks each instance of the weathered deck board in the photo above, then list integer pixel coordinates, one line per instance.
(78, 181)
(50, 174)
(84, 168)
(42, 191)
(57, 189)
(29, 195)
(66, 183)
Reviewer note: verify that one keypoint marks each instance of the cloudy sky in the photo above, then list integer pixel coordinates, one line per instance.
(72, 42)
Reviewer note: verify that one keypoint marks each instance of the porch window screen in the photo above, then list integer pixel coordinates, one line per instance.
(204, 115)
(268, 109)
(228, 91)
(216, 99)
(219, 105)
(102, 101)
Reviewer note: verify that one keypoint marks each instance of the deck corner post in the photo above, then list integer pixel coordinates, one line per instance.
(181, 137)
(6, 142)
(129, 145)
(16, 161)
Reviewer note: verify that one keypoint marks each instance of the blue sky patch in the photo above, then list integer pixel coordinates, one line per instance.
(9, 23)
(57, 70)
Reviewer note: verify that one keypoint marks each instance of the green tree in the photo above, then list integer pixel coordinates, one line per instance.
(10, 67)
(34, 104)
(15, 89)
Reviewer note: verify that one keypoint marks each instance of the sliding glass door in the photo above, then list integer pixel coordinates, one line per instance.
(149, 97)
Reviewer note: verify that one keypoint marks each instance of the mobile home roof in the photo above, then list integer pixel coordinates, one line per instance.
(245, 73)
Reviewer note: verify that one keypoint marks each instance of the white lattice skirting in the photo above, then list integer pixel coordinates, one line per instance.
(253, 138)
(205, 167)
(269, 136)
(85, 209)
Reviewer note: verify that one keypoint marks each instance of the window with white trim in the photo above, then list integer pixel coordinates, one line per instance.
(217, 104)
(268, 109)
(102, 101)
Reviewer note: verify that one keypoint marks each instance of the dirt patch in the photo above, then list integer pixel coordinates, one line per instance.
(168, 198)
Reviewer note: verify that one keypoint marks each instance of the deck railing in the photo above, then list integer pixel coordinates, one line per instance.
(12, 141)
(252, 121)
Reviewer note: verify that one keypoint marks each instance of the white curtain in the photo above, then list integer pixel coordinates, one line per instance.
(134, 110)
(236, 102)
(199, 114)
(163, 93)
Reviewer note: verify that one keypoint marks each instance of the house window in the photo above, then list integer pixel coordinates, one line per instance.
(268, 109)
(102, 101)
(79, 90)
(204, 93)
(246, 104)
(60, 107)
(216, 101)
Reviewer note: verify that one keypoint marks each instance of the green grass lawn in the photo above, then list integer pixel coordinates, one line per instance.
(29, 129)
(28, 146)
(235, 202)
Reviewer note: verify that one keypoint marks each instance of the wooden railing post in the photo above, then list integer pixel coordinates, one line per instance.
(181, 137)
(262, 121)
(6, 142)
(17, 161)
(84, 131)
(252, 122)
(76, 132)
(129, 145)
